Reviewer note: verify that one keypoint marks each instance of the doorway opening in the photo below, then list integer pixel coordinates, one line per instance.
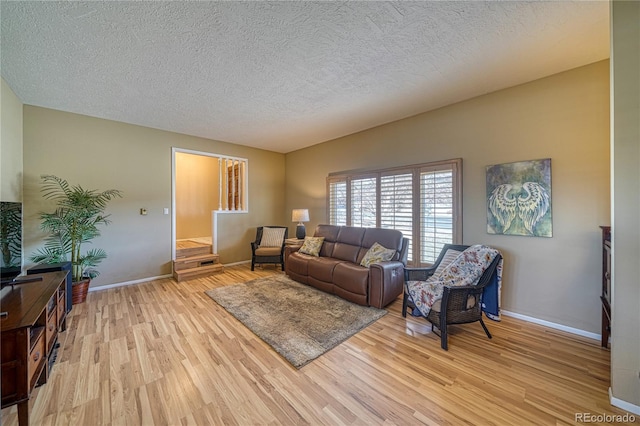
(204, 185)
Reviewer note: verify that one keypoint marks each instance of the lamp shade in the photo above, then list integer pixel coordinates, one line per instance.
(300, 215)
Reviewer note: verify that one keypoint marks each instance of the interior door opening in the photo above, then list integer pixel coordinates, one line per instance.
(203, 185)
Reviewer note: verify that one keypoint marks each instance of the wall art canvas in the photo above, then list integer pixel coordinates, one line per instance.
(519, 198)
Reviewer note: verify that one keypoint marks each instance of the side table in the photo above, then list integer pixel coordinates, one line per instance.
(293, 242)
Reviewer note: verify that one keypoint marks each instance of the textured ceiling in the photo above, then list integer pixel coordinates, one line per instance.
(285, 75)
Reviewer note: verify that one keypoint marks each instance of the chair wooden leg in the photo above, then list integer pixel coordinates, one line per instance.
(443, 337)
(486, 330)
(253, 264)
(442, 325)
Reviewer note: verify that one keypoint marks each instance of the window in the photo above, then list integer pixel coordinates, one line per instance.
(396, 204)
(363, 202)
(436, 212)
(338, 203)
(422, 201)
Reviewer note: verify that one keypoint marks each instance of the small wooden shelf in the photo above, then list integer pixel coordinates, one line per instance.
(34, 335)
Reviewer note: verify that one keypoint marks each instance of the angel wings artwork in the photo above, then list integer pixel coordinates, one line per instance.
(519, 198)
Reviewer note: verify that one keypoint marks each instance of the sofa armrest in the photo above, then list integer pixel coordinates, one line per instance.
(287, 251)
(386, 281)
(291, 249)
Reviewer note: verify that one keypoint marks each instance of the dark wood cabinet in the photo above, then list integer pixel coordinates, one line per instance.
(34, 315)
(53, 267)
(606, 285)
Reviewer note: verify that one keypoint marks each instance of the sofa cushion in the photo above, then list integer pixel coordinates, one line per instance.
(348, 244)
(327, 287)
(389, 238)
(351, 278)
(322, 268)
(299, 263)
(268, 251)
(272, 237)
(376, 254)
(346, 252)
(311, 246)
(330, 234)
(351, 235)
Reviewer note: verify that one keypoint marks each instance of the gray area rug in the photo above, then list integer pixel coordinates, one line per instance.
(298, 321)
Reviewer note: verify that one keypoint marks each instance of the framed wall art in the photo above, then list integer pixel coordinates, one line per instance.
(519, 198)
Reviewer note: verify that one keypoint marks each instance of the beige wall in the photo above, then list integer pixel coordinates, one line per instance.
(11, 146)
(197, 194)
(564, 117)
(102, 154)
(625, 83)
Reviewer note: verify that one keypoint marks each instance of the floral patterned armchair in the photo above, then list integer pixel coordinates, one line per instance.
(451, 291)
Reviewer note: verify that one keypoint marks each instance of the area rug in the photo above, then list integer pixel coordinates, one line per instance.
(298, 321)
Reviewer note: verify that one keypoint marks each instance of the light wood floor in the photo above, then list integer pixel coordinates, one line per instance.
(164, 353)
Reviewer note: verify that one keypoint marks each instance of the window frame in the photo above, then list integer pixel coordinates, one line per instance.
(453, 165)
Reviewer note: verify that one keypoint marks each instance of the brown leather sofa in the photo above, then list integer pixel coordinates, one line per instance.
(337, 269)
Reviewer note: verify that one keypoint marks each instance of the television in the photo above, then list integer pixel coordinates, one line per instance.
(10, 240)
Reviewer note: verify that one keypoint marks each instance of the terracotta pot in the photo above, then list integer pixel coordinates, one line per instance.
(79, 291)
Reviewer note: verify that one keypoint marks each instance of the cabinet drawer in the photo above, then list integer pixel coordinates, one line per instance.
(61, 310)
(51, 331)
(37, 358)
(51, 305)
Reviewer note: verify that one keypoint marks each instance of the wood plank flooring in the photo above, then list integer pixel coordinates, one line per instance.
(164, 353)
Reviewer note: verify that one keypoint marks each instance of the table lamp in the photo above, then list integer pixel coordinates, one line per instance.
(300, 216)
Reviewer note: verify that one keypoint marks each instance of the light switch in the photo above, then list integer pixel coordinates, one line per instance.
(166, 210)
(143, 212)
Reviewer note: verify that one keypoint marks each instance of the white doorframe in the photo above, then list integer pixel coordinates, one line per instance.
(214, 222)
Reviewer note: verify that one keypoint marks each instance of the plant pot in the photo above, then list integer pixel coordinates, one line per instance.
(79, 291)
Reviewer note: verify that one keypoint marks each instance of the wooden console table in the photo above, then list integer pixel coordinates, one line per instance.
(35, 313)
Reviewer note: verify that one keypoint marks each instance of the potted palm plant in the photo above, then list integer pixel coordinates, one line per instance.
(76, 220)
(10, 238)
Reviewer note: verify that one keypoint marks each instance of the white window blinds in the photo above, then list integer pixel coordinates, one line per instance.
(436, 213)
(338, 203)
(364, 202)
(423, 201)
(396, 204)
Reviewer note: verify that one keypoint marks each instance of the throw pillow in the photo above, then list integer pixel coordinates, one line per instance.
(312, 246)
(272, 237)
(376, 254)
(449, 257)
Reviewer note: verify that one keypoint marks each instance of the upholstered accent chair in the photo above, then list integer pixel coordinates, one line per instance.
(459, 304)
(269, 245)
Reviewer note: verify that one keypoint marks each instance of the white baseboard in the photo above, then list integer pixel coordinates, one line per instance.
(627, 406)
(125, 283)
(554, 325)
(144, 280)
(237, 263)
